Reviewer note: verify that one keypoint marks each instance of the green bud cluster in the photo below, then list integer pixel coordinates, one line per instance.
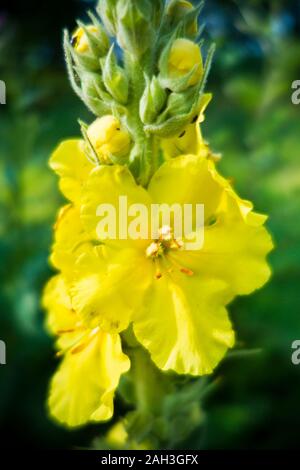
(141, 61)
(153, 100)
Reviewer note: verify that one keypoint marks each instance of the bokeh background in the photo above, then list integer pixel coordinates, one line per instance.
(256, 127)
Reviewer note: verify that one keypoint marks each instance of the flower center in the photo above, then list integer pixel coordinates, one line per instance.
(165, 242)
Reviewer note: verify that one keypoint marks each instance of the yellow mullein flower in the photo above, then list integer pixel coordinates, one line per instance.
(184, 56)
(175, 298)
(80, 41)
(82, 390)
(108, 138)
(189, 140)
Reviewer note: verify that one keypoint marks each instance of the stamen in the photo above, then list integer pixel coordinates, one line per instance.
(176, 244)
(63, 332)
(158, 251)
(187, 271)
(85, 343)
(81, 343)
(158, 273)
(77, 326)
(80, 347)
(182, 269)
(152, 250)
(165, 233)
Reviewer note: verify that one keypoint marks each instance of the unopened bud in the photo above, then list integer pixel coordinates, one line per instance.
(180, 103)
(114, 78)
(90, 39)
(168, 125)
(189, 139)
(79, 39)
(134, 29)
(184, 56)
(91, 85)
(108, 138)
(182, 10)
(152, 101)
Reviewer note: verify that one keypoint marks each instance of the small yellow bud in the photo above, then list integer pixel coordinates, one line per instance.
(80, 41)
(184, 55)
(107, 138)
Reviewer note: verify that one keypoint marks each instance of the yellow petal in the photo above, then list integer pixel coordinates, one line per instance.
(82, 389)
(72, 166)
(70, 239)
(58, 305)
(108, 288)
(61, 318)
(187, 180)
(184, 324)
(235, 249)
(244, 207)
(105, 186)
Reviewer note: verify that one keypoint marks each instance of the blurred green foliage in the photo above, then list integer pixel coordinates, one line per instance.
(254, 403)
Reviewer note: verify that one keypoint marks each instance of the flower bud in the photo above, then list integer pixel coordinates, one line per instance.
(114, 78)
(152, 101)
(107, 13)
(180, 64)
(90, 39)
(79, 39)
(189, 139)
(184, 56)
(108, 139)
(168, 124)
(183, 10)
(180, 103)
(178, 8)
(134, 31)
(91, 84)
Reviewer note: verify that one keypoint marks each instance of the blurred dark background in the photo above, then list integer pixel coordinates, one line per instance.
(251, 120)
